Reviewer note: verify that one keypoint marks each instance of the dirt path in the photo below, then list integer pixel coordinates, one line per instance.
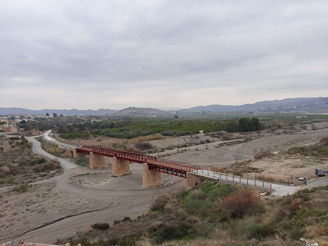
(113, 201)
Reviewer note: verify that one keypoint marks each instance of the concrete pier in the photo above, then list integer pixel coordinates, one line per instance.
(120, 167)
(97, 160)
(150, 178)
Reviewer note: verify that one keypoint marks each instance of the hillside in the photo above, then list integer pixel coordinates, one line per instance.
(219, 215)
(309, 105)
(148, 112)
(290, 105)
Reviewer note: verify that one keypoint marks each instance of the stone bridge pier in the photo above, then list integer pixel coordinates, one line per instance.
(97, 160)
(120, 167)
(150, 178)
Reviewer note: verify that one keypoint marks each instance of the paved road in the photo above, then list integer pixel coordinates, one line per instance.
(50, 139)
(318, 183)
(36, 148)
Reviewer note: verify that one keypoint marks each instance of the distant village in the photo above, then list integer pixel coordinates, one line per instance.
(8, 123)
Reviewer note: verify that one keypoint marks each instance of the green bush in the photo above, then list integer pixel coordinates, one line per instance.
(261, 231)
(126, 241)
(100, 226)
(7, 180)
(201, 208)
(20, 188)
(41, 160)
(168, 232)
(215, 192)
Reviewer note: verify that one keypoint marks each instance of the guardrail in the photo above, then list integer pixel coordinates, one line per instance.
(234, 179)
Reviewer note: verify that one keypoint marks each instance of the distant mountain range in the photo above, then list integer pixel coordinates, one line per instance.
(23, 111)
(306, 105)
(309, 105)
(132, 111)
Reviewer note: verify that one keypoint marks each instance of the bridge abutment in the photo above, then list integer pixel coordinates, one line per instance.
(97, 160)
(120, 167)
(192, 180)
(150, 178)
(74, 153)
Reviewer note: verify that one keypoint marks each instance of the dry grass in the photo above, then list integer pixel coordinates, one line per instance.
(54, 149)
(262, 155)
(146, 138)
(323, 242)
(272, 178)
(314, 231)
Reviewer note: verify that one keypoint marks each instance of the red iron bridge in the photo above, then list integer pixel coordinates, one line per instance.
(175, 168)
(154, 166)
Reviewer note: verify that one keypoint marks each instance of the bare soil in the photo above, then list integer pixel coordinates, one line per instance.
(60, 207)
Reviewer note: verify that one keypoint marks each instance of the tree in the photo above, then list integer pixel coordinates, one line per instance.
(247, 124)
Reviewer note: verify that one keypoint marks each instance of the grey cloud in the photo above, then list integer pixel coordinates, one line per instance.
(178, 44)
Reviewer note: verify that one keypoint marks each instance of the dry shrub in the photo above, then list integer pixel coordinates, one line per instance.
(239, 203)
(159, 203)
(262, 154)
(215, 169)
(4, 169)
(270, 178)
(324, 141)
(281, 214)
(266, 177)
(207, 242)
(296, 204)
(198, 194)
(67, 154)
(315, 231)
(143, 146)
(132, 149)
(146, 138)
(322, 242)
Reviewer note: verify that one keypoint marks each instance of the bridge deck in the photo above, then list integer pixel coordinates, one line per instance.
(160, 165)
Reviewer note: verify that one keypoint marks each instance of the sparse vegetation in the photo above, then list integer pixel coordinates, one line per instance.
(20, 188)
(18, 165)
(263, 154)
(319, 150)
(82, 161)
(212, 211)
(53, 148)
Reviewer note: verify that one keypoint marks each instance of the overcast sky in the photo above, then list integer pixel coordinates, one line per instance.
(162, 54)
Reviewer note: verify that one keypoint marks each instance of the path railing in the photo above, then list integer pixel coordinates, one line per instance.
(234, 179)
